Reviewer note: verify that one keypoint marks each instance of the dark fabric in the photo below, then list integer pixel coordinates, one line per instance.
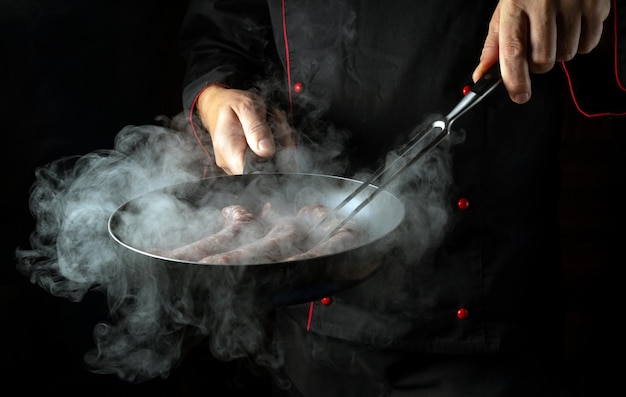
(498, 259)
(225, 42)
(619, 9)
(597, 80)
(313, 362)
(361, 93)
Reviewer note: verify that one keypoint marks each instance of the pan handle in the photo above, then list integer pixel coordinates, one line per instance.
(283, 161)
(254, 164)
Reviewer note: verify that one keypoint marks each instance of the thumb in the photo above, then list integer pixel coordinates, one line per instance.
(253, 119)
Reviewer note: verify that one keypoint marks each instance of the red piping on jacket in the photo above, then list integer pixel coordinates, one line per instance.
(288, 67)
(310, 317)
(616, 47)
(577, 105)
(287, 59)
(210, 167)
(195, 134)
(615, 68)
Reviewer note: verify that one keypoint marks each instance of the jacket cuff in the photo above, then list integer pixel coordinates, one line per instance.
(193, 89)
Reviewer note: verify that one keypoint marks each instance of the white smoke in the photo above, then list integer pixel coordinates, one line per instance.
(157, 312)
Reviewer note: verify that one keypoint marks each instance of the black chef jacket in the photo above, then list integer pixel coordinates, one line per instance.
(373, 71)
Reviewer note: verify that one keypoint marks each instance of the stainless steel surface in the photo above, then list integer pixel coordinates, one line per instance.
(164, 219)
(423, 142)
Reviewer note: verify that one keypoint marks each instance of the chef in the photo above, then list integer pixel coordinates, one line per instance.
(469, 305)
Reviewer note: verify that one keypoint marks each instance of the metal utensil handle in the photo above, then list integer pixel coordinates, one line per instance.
(482, 88)
(375, 175)
(440, 134)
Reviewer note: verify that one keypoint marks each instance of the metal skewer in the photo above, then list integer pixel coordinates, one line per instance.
(437, 132)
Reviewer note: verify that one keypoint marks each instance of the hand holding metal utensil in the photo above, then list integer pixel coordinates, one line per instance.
(436, 132)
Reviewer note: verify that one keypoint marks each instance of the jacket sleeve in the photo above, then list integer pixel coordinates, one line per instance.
(597, 81)
(226, 42)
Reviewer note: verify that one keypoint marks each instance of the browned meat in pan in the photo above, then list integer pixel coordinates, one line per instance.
(280, 242)
(241, 225)
(347, 236)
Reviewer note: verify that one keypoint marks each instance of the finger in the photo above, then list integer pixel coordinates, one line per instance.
(542, 42)
(252, 115)
(230, 144)
(513, 50)
(281, 129)
(490, 51)
(568, 36)
(592, 25)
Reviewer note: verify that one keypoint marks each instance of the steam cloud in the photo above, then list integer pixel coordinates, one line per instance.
(158, 312)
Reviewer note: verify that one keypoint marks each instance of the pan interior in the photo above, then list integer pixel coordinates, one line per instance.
(183, 213)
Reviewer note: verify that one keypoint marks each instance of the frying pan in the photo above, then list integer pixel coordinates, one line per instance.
(155, 220)
(177, 215)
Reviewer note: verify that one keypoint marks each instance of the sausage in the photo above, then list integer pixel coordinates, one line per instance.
(313, 214)
(347, 236)
(273, 214)
(280, 242)
(243, 241)
(241, 225)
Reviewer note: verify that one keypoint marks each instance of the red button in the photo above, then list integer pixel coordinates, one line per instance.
(463, 203)
(467, 89)
(462, 313)
(326, 300)
(298, 87)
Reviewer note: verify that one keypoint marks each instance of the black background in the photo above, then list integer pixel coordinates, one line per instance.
(75, 72)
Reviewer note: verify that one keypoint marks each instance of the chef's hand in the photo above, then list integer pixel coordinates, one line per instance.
(529, 36)
(237, 119)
